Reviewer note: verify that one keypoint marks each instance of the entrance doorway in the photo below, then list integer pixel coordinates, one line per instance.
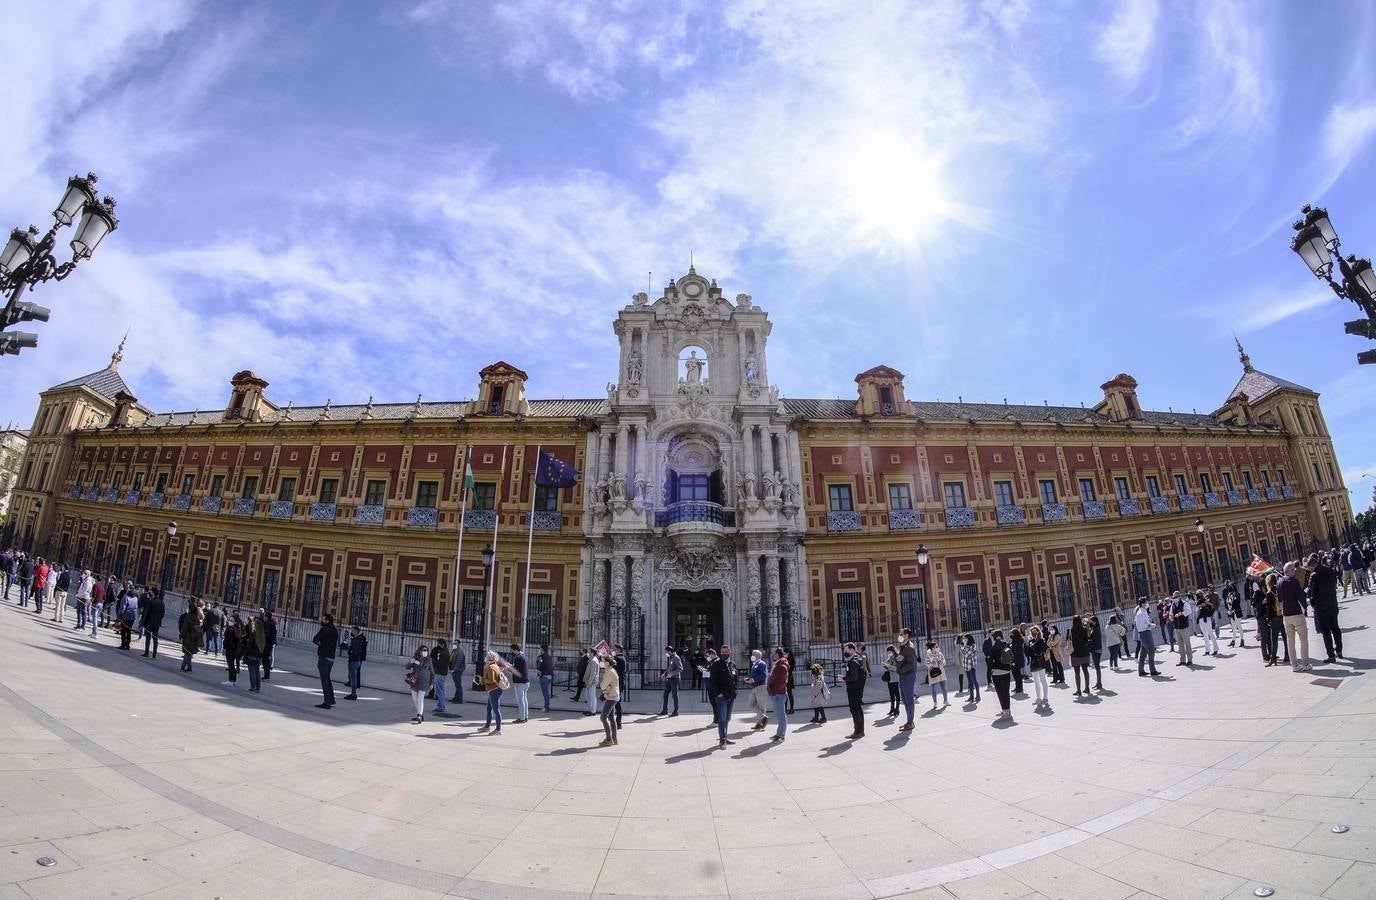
(694, 620)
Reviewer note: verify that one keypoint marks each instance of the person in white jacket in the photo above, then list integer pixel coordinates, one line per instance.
(591, 678)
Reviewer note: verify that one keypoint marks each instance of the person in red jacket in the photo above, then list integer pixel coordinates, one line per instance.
(777, 688)
(40, 585)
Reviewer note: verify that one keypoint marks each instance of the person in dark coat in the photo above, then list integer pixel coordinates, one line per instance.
(268, 624)
(358, 655)
(153, 612)
(326, 642)
(1323, 597)
(1017, 640)
(721, 684)
(234, 648)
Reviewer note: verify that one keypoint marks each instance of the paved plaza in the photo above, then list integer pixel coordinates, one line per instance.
(137, 780)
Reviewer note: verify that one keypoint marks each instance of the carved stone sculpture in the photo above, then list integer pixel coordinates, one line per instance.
(771, 485)
(693, 368)
(635, 368)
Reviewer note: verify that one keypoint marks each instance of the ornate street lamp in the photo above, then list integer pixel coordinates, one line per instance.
(482, 619)
(26, 262)
(1317, 244)
(923, 557)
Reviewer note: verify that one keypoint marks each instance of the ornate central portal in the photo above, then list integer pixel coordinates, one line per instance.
(694, 619)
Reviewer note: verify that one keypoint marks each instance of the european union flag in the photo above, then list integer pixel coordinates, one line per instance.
(551, 472)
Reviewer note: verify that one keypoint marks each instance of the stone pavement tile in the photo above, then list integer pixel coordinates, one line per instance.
(1166, 840)
(189, 860)
(1357, 883)
(21, 793)
(554, 867)
(1248, 890)
(122, 842)
(1315, 785)
(576, 803)
(1243, 800)
(677, 872)
(123, 815)
(597, 832)
(1330, 809)
(803, 867)
(906, 849)
(112, 879)
(747, 829)
(1179, 813)
(969, 801)
(1097, 853)
(995, 830)
(668, 833)
(1057, 877)
(504, 796)
(1278, 867)
(428, 848)
(1368, 791)
(1177, 880)
(385, 800)
(989, 886)
(194, 826)
(863, 821)
(1077, 805)
(595, 784)
(1356, 764)
(931, 893)
(19, 862)
(1270, 830)
(823, 798)
(30, 827)
(1359, 843)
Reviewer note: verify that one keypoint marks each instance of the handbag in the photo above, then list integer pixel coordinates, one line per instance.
(412, 677)
(886, 676)
(933, 673)
(502, 681)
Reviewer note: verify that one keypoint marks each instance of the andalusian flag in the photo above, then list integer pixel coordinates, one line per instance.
(468, 472)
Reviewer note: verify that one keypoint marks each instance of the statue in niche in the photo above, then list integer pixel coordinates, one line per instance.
(635, 368)
(751, 373)
(771, 485)
(617, 486)
(740, 487)
(750, 485)
(693, 367)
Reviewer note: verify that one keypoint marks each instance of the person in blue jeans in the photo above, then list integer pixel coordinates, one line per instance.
(673, 674)
(326, 642)
(458, 670)
(721, 684)
(358, 655)
(544, 665)
(777, 687)
(906, 659)
(492, 683)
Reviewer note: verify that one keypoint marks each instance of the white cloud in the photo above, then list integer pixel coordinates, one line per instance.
(1125, 44)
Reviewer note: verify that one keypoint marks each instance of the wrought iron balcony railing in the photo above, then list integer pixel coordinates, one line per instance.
(281, 509)
(75, 492)
(156, 499)
(211, 504)
(1186, 501)
(1253, 495)
(1095, 509)
(548, 520)
(695, 511)
(479, 518)
(1211, 499)
(423, 517)
(843, 520)
(245, 506)
(1129, 507)
(960, 517)
(112, 496)
(1053, 512)
(131, 498)
(1160, 505)
(1010, 515)
(904, 519)
(93, 493)
(1234, 498)
(1286, 492)
(323, 512)
(181, 501)
(368, 514)
(1270, 493)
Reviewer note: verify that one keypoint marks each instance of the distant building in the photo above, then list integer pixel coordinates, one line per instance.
(708, 507)
(13, 442)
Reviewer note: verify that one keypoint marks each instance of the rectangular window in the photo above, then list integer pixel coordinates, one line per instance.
(955, 494)
(1065, 593)
(117, 481)
(360, 601)
(900, 496)
(850, 622)
(1003, 493)
(217, 486)
(121, 556)
(1020, 600)
(1299, 544)
(80, 479)
(1265, 548)
(546, 498)
(43, 477)
(1247, 479)
(1225, 566)
(138, 479)
(1318, 476)
(839, 495)
(1120, 487)
(1266, 479)
(100, 558)
(1281, 556)
(286, 489)
(250, 487)
(169, 566)
(1205, 483)
(1201, 574)
(272, 581)
(911, 608)
(471, 615)
(693, 487)
(141, 568)
(1047, 487)
(1332, 475)
(1280, 475)
(1087, 489)
(1181, 489)
(162, 483)
(234, 575)
(428, 494)
(484, 495)
(28, 470)
(1103, 579)
(95, 482)
(967, 600)
(539, 619)
(313, 591)
(374, 492)
(1172, 574)
(1227, 481)
(1153, 486)
(188, 482)
(886, 401)
(1246, 553)
(413, 608)
(200, 568)
(329, 490)
(1139, 579)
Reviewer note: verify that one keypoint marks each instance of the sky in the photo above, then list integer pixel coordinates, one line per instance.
(1002, 199)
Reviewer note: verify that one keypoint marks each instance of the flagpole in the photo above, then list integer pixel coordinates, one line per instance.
(458, 554)
(492, 571)
(530, 532)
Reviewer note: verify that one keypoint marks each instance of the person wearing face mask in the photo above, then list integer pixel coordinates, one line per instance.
(420, 674)
(906, 667)
(673, 673)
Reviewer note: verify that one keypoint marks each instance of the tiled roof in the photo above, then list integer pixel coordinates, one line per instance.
(383, 412)
(991, 412)
(106, 382)
(1259, 384)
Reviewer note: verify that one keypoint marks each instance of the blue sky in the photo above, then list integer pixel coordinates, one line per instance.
(1001, 199)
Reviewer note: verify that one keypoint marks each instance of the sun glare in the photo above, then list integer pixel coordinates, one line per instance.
(892, 189)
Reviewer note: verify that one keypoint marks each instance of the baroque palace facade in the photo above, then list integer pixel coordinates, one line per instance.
(708, 507)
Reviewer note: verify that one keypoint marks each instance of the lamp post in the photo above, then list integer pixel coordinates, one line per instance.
(1206, 547)
(1328, 522)
(482, 618)
(28, 260)
(923, 557)
(166, 554)
(1317, 245)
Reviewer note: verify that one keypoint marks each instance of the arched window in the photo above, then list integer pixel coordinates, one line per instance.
(692, 365)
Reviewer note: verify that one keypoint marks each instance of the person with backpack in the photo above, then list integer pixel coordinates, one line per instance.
(1003, 673)
(458, 670)
(420, 674)
(268, 623)
(1232, 605)
(495, 681)
(721, 685)
(254, 647)
(189, 628)
(41, 586)
(854, 680)
(1208, 607)
(966, 659)
(214, 619)
(988, 649)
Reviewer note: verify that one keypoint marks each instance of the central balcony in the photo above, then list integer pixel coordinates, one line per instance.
(281, 509)
(1128, 507)
(155, 500)
(1053, 512)
(479, 518)
(960, 517)
(904, 519)
(1211, 499)
(211, 504)
(699, 512)
(132, 498)
(245, 506)
(1234, 498)
(1010, 515)
(370, 514)
(422, 517)
(1253, 495)
(1095, 509)
(1186, 501)
(1160, 505)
